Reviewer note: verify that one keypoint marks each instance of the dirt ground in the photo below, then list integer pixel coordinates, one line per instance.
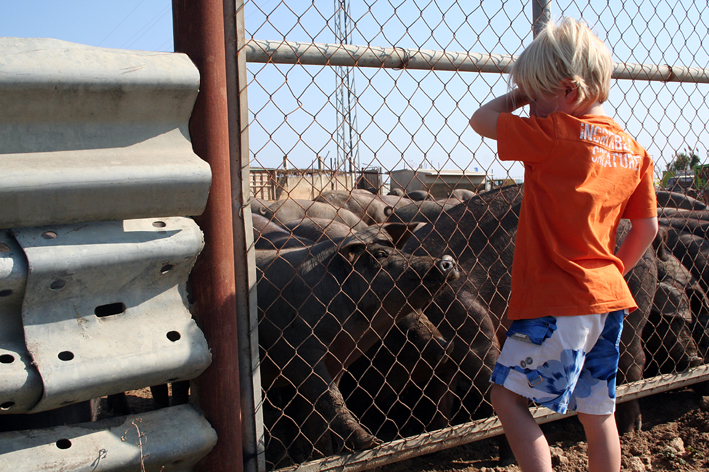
(675, 437)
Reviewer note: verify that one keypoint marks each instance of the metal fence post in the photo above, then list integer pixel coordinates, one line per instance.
(199, 32)
(541, 13)
(244, 252)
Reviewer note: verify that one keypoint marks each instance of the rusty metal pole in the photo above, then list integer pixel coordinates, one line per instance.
(199, 32)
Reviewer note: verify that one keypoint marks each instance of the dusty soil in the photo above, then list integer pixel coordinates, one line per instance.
(675, 437)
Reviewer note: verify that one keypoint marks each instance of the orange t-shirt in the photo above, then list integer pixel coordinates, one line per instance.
(582, 175)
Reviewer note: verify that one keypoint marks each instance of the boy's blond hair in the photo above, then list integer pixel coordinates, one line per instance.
(567, 50)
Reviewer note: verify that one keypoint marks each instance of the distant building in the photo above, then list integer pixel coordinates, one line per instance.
(370, 178)
(303, 184)
(307, 184)
(438, 183)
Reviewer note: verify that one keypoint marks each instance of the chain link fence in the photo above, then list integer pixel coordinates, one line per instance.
(384, 226)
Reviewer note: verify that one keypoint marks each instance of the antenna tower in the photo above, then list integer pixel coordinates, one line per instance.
(345, 95)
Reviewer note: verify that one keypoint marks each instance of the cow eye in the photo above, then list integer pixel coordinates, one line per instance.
(381, 254)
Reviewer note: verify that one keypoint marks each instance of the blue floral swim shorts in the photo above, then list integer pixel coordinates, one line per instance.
(568, 362)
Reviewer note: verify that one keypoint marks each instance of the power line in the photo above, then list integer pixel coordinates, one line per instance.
(147, 27)
(121, 22)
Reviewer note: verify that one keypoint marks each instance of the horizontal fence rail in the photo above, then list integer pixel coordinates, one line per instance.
(346, 55)
(286, 52)
(458, 435)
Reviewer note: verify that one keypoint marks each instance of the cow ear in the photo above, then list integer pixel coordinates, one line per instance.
(401, 232)
(352, 249)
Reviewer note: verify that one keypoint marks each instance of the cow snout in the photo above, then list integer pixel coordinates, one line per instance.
(695, 361)
(448, 266)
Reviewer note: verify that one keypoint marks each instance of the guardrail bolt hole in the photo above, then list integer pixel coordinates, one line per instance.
(7, 359)
(5, 293)
(49, 235)
(63, 444)
(159, 224)
(6, 406)
(66, 355)
(173, 336)
(109, 309)
(166, 268)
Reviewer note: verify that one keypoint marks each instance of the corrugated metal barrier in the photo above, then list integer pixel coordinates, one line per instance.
(96, 244)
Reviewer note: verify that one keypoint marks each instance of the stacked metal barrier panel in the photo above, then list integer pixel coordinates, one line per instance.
(98, 182)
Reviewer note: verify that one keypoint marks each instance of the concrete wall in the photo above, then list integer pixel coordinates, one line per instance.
(438, 183)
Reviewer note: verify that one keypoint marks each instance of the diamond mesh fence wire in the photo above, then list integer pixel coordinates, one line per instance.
(384, 226)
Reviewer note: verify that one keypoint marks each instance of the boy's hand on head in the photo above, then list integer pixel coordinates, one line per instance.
(484, 120)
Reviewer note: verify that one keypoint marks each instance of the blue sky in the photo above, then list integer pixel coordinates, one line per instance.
(124, 24)
(410, 117)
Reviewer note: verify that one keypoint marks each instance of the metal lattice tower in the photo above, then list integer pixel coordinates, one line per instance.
(345, 95)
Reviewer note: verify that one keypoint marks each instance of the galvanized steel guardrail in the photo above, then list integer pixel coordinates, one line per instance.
(96, 246)
(92, 134)
(157, 440)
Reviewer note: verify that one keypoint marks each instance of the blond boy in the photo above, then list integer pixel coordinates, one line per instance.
(583, 174)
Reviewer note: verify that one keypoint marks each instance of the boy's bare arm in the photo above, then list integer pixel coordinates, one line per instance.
(637, 241)
(484, 120)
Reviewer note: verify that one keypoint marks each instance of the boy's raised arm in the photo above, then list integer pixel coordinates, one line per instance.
(637, 241)
(484, 120)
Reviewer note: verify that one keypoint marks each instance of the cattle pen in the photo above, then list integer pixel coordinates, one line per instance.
(395, 89)
(300, 226)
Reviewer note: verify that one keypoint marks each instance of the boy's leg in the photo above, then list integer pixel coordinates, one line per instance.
(526, 439)
(604, 453)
